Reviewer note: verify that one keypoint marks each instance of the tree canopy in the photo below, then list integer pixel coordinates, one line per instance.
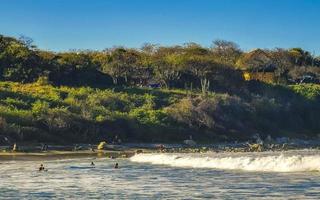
(170, 66)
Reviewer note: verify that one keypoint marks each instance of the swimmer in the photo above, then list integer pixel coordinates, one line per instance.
(116, 166)
(41, 168)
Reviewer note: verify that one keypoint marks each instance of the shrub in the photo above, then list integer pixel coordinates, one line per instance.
(310, 91)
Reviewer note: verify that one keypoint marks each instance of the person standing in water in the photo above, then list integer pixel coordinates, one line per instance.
(15, 147)
(116, 166)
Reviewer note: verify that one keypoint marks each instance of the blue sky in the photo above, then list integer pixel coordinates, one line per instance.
(97, 24)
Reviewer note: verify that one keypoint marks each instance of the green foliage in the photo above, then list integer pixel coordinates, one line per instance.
(310, 91)
(43, 112)
(149, 117)
(81, 96)
(14, 103)
(40, 107)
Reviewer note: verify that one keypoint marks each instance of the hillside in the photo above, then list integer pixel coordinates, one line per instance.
(156, 93)
(39, 112)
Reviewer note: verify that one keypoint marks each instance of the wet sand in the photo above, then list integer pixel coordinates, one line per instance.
(64, 154)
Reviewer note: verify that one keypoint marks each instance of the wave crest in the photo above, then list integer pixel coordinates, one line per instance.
(270, 163)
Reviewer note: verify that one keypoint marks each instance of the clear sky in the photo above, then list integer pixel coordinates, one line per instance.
(97, 24)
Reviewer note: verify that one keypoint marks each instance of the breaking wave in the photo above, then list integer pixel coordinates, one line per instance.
(254, 162)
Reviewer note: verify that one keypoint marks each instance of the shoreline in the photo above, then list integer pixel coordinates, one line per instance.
(125, 151)
(61, 155)
(55, 154)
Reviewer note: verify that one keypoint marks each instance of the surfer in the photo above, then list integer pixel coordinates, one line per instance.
(92, 164)
(41, 168)
(116, 166)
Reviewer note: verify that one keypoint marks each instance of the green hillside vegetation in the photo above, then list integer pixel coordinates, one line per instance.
(155, 94)
(43, 113)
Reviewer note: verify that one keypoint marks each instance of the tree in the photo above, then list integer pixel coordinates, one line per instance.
(3, 125)
(300, 57)
(142, 71)
(149, 49)
(226, 52)
(316, 61)
(18, 62)
(27, 41)
(119, 62)
(281, 60)
(201, 67)
(256, 60)
(166, 64)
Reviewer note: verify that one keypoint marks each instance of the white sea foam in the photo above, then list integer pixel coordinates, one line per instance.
(247, 162)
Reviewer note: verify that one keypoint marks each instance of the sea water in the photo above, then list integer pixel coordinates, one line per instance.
(271, 175)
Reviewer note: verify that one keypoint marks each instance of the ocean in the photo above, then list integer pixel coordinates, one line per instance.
(268, 175)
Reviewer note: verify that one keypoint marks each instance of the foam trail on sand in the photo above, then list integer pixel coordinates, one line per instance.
(269, 163)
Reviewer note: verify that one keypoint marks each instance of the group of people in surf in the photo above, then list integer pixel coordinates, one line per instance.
(41, 168)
